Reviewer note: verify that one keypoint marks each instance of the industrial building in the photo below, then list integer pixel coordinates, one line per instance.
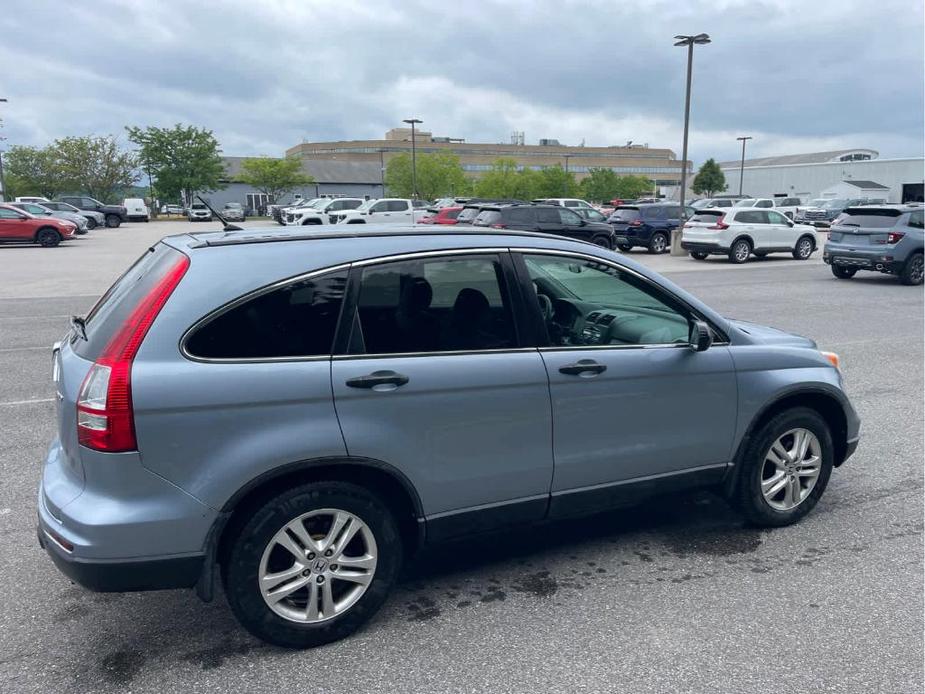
(848, 173)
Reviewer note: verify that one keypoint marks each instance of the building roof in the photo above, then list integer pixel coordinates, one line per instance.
(810, 158)
(867, 185)
(324, 171)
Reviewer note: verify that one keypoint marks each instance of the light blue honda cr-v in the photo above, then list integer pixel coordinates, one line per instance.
(297, 414)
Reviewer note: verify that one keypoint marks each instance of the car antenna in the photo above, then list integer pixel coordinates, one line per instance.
(225, 225)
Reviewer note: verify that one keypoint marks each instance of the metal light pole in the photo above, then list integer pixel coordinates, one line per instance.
(688, 41)
(414, 159)
(742, 165)
(566, 157)
(2, 180)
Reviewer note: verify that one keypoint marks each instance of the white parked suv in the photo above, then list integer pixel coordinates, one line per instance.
(564, 202)
(786, 206)
(321, 211)
(384, 211)
(739, 232)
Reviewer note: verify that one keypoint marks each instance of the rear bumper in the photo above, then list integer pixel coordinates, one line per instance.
(869, 259)
(699, 247)
(123, 576)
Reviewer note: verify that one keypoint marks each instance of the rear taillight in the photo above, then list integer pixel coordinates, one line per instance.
(636, 223)
(720, 224)
(105, 419)
(894, 237)
(499, 225)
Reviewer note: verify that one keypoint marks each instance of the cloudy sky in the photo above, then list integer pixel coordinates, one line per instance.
(798, 76)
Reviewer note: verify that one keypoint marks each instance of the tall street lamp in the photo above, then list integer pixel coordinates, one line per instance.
(688, 41)
(2, 180)
(414, 159)
(742, 165)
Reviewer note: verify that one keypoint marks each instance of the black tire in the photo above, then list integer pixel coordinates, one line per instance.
(842, 272)
(697, 255)
(625, 247)
(47, 237)
(240, 570)
(912, 272)
(739, 251)
(356, 221)
(603, 242)
(310, 222)
(748, 497)
(804, 248)
(659, 243)
(91, 223)
(113, 221)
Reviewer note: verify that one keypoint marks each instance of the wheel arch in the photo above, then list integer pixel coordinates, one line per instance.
(743, 237)
(389, 483)
(811, 237)
(46, 227)
(826, 404)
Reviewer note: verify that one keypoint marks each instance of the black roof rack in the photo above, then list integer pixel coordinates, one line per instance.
(248, 236)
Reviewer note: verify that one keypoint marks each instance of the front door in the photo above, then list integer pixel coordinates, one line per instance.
(631, 401)
(781, 231)
(432, 380)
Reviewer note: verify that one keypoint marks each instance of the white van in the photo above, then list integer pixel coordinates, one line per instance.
(32, 199)
(136, 210)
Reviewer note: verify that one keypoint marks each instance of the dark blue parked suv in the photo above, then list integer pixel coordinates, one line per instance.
(648, 225)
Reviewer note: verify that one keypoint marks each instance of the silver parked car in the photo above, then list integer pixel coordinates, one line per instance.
(94, 219)
(44, 210)
(296, 414)
(233, 212)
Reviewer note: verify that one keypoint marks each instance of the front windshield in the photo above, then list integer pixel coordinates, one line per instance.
(834, 204)
(818, 202)
(750, 202)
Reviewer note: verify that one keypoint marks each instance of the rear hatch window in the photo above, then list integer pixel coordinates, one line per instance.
(111, 311)
(625, 214)
(487, 218)
(467, 214)
(451, 214)
(706, 217)
(864, 225)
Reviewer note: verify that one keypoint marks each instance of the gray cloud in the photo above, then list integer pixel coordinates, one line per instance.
(798, 76)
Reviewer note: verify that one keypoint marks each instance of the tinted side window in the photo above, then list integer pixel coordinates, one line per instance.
(751, 217)
(654, 213)
(764, 203)
(519, 215)
(397, 205)
(547, 215)
(776, 217)
(569, 217)
(297, 320)
(379, 207)
(917, 219)
(571, 203)
(433, 305)
(9, 214)
(352, 204)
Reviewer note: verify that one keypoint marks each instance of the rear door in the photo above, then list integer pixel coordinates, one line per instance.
(433, 380)
(752, 223)
(548, 220)
(14, 225)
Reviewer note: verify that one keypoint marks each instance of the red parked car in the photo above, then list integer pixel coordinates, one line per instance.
(17, 225)
(445, 215)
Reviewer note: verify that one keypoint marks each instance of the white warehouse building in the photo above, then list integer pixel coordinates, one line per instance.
(856, 173)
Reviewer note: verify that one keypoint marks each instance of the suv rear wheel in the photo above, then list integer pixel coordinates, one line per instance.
(658, 243)
(804, 248)
(842, 272)
(785, 468)
(739, 251)
(91, 223)
(113, 221)
(913, 271)
(603, 242)
(312, 564)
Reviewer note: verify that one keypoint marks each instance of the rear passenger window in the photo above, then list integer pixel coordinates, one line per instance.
(917, 219)
(297, 320)
(433, 305)
(397, 206)
(752, 217)
(520, 215)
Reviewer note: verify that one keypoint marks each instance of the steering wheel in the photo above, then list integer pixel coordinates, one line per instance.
(545, 306)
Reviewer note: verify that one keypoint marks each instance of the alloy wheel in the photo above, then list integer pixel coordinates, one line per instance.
(317, 566)
(805, 248)
(916, 269)
(741, 251)
(659, 243)
(791, 468)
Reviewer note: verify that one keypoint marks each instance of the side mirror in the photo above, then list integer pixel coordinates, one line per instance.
(700, 337)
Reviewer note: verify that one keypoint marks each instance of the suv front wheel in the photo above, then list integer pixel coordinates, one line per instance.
(785, 468)
(312, 564)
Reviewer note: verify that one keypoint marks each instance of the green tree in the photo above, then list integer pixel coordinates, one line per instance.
(96, 166)
(183, 160)
(506, 180)
(439, 174)
(33, 171)
(556, 182)
(709, 179)
(603, 185)
(274, 177)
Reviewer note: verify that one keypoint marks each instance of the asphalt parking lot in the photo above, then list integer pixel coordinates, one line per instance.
(677, 595)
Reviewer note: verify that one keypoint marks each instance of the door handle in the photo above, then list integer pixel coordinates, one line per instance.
(585, 368)
(379, 380)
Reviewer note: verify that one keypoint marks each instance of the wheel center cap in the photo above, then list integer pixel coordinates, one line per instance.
(320, 565)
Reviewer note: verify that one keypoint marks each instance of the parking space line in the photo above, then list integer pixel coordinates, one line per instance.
(23, 349)
(14, 403)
